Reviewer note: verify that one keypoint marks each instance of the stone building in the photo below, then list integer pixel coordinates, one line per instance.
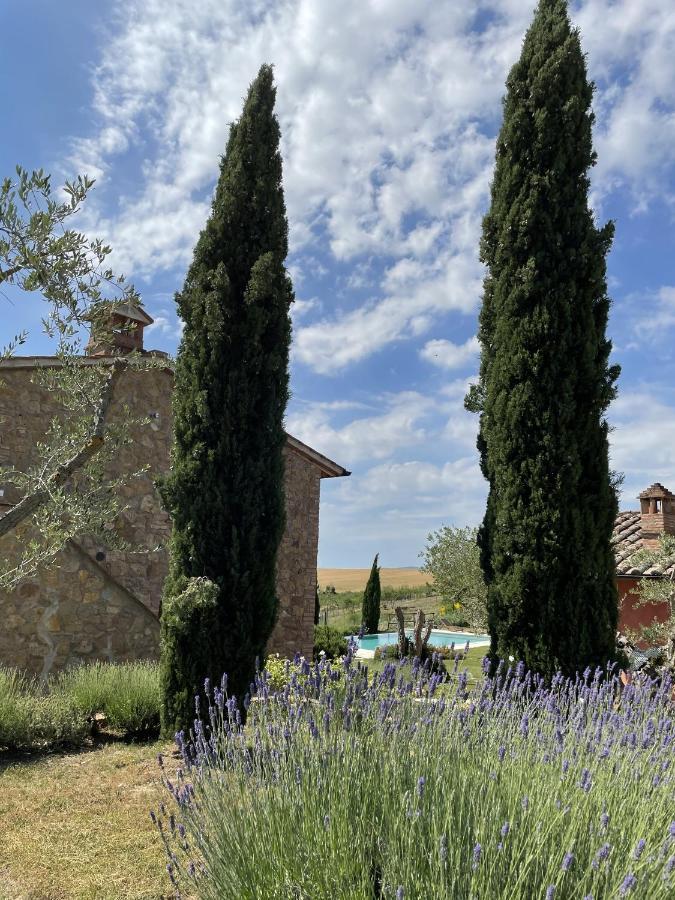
(636, 530)
(98, 603)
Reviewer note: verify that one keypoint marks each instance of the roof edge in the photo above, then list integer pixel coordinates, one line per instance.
(329, 469)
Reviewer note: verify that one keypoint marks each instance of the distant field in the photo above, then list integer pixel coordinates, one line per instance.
(355, 579)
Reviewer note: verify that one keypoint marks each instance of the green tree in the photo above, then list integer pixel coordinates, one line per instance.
(67, 489)
(545, 380)
(225, 490)
(452, 558)
(370, 607)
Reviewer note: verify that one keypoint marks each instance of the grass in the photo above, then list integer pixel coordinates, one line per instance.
(355, 579)
(471, 663)
(59, 713)
(77, 826)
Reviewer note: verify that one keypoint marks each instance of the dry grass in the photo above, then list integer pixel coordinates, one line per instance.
(355, 579)
(77, 827)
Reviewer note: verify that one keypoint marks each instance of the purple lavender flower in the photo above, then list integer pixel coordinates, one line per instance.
(400, 892)
(525, 802)
(477, 850)
(502, 753)
(671, 830)
(604, 820)
(601, 855)
(568, 859)
(326, 822)
(550, 891)
(586, 781)
(505, 829)
(627, 884)
(639, 847)
(421, 781)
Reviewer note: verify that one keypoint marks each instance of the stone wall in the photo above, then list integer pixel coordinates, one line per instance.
(296, 563)
(73, 612)
(97, 603)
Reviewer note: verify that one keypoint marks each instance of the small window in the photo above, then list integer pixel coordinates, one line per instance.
(657, 506)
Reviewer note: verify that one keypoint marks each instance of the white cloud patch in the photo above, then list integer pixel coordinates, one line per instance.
(446, 355)
(398, 422)
(643, 440)
(387, 113)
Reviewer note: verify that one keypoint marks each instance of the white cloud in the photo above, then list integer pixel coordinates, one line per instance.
(399, 423)
(661, 318)
(446, 355)
(643, 439)
(387, 113)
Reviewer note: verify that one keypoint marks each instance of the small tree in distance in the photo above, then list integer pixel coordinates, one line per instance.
(452, 558)
(370, 610)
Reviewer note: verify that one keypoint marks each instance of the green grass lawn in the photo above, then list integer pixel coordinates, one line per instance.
(472, 663)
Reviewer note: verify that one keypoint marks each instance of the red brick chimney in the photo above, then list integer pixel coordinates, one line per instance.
(657, 514)
(119, 332)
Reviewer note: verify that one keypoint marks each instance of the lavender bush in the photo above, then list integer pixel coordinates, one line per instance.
(346, 786)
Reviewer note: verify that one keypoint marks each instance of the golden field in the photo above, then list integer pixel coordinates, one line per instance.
(355, 579)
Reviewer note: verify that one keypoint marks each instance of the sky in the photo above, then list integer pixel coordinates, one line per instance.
(389, 111)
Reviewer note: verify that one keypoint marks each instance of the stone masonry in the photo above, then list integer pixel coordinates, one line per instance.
(96, 603)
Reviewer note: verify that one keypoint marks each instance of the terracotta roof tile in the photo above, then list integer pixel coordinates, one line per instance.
(627, 540)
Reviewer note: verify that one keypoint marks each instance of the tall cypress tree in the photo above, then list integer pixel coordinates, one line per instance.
(545, 380)
(370, 607)
(225, 490)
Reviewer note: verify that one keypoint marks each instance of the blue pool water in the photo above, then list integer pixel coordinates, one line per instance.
(437, 639)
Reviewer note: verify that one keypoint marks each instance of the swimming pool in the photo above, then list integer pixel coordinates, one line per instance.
(436, 639)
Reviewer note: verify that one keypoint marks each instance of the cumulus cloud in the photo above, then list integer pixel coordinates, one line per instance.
(446, 355)
(398, 422)
(388, 114)
(643, 438)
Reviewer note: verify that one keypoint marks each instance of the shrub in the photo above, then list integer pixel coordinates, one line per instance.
(128, 694)
(189, 628)
(330, 640)
(279, 671)
(32, 719)
(373, 793)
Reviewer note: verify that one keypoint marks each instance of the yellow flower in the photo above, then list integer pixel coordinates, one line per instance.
(458, 605)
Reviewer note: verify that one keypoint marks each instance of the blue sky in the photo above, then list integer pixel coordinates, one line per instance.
(389, 110)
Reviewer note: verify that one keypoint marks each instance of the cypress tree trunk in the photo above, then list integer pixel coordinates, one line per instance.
(225, 490)
(545, 380)
(370, 608)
